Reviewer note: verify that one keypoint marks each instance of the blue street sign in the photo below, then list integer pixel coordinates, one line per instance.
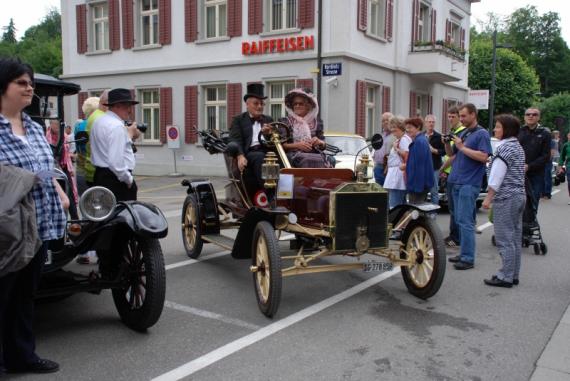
(332, 69)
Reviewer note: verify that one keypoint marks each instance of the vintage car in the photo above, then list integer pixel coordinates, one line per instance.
(331, 211)
(350, 148)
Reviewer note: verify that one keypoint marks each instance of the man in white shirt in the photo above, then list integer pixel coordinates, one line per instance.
(111, 146)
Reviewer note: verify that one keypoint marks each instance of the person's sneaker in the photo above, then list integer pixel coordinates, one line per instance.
(496, 282)
(455, 259)
(40, 366)
(463, 265)
(515, 282)
(450, 242)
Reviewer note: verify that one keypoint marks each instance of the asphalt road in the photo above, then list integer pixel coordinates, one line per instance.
(336, 326)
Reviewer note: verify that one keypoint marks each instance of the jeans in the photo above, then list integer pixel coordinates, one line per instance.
(379, 174)
(548, 179)
(434, 191)
(396, 197)
(537, 184)
(464, 198)
(453, 228)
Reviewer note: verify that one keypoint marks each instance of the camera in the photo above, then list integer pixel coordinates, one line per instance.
(448, 137)
(142, 127)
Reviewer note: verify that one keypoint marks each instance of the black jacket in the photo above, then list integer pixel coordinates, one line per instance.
(536, 146)
(241, 130)
(435, 141)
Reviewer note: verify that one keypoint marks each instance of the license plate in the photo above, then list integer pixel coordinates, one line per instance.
(48, 258)
(372, 266)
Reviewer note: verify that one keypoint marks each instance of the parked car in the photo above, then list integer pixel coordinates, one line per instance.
(350, 146)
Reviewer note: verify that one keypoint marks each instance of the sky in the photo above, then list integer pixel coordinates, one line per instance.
(30, 12)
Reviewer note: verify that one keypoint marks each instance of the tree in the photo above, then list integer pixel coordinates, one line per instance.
(9, 35)
(555, 112)
(516, 82)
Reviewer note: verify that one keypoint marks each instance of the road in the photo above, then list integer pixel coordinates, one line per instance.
(336, 326)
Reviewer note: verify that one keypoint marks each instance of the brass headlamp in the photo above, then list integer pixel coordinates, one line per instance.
(270, 170)
(362, 169)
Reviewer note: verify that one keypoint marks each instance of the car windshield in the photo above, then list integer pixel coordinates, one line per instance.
(350, 145)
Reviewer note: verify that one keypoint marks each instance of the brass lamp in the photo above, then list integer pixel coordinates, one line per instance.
(362, 169)
(270, 170)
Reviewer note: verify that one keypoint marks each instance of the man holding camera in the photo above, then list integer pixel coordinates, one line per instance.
(469, 155)
(111, 146)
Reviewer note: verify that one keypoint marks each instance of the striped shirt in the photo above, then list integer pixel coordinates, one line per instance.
(35, 155)
(511, 153)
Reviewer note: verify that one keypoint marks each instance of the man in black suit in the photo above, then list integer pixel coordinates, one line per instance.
(245, 130)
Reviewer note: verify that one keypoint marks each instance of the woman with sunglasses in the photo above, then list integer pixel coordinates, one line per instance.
(306, 129)
(23, 144)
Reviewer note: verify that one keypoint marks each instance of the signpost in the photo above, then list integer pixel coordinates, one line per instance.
(173, 140)
(480, 98)
(330, 69)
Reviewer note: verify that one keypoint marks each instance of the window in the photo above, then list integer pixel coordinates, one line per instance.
(370, 109)
(99, 26)
(424, 23)
(377, 18)
(422, 101)
(150, 113)
(215, 16)
(456, 33)
(95, 93)
(277, 92)
(149, 22)
(282, 14)
(215, 108)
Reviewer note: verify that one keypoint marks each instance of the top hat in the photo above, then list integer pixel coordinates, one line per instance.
(254, 90)
(120, 96)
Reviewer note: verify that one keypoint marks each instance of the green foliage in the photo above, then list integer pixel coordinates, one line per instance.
(555, 107)
(516, 82)
(9, 35)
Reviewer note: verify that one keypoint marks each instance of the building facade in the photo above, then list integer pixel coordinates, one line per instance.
(188, 62)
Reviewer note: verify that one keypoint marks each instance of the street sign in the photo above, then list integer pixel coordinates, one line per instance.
(480, 98)
(330, 69)
(173, 137)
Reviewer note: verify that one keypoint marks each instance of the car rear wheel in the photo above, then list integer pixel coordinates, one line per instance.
(422, 240)
(191, 230)
(266, 262)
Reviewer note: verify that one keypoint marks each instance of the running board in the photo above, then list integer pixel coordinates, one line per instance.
(219, 240)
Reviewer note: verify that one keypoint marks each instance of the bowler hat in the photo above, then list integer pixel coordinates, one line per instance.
(254, 90)
(120, 96)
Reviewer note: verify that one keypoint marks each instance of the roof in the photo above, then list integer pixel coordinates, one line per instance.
(51, 85)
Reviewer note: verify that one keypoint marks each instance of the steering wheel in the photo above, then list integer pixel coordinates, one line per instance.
(280, 133)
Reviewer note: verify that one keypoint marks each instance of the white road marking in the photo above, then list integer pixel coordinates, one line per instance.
(211, 315)
(554, 192)
(235, 346)
(485, 226)
(192, 261)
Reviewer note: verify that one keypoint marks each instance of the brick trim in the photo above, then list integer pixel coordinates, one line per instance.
(306, 14)
(360, 125)
(234, 91)
(413, 104)
(114, 25)
(444, 121)
(164, 22)
(190, 20)
(165, 111)
(128, 24)
(190, 114)
(386, 102)
(389, 32)
(362, 15)
(255, 16)
(234, 18)
(81, 97)
(433, 25)
(304, 83)
(81, 26)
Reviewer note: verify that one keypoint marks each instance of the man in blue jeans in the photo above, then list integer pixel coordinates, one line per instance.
(469, 154)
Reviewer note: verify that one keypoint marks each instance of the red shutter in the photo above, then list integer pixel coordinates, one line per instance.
(306, 13)
(413, 104)
(304, 83)
(81, 25)
(462, 34)
(362, 15)
(114, 25)
(389, 20)
(234, 101)
(165, 111)
(164, 22)
(386, 99)
(234, 18)
(191, 114)
(430, 105)
(128, 24)
(448, 31)
(255, 16)
(433, 25)
(360, 127)
(190, 20)
(444, 121)
(81, 97)
(415, 21)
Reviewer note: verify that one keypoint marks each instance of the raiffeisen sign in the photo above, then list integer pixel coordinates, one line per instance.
(278, 45)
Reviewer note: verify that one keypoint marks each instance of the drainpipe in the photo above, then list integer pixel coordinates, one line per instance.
(319, 49)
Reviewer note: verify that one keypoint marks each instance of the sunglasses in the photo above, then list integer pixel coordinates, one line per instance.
(531, 114)
(24, 83)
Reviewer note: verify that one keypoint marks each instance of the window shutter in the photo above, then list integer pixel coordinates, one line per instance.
(413, 104)
(360, 127)
(304, 83)
(362, 15)
(415, 21)
(462, 33)
(114, 25)
(444, 124)
(306, 13)
(433, 25)
(164, 22)
(448, 31)
(128, 24)
(234, 18)
(81, 97)
(191, 20)
(389, 20)
(386, 99)
(255, 16)
(430, 105)
(234, 101)
(81, 25)
(191, 114)
(165, 111)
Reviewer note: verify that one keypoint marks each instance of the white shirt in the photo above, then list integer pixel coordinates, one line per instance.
(256, 129)
(111, 146)
(395, 176)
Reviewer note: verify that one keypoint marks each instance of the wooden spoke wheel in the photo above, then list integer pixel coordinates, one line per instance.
(191, 228)
(423, 242)
(266, 262)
